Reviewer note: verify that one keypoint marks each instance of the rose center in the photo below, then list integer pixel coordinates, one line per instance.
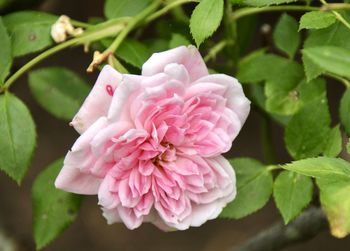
(167, 154)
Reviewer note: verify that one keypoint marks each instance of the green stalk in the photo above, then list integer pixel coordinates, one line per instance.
(252, 10)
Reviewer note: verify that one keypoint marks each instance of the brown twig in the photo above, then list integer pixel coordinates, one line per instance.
(305, 227)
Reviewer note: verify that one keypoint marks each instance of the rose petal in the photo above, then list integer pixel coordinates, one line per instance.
(187, 56)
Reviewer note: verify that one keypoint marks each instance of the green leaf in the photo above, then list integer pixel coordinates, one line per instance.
(321, 167)
(58, 90)
(307, 131)
(30, 31)
(345, 111)
(254, 188)
(260, 3)
(205, 19)
(178, 40)
(292, 193)
(332, 59)
(335, 201)
(53, 209)
(348, 147)
(265, 67)
(124, 8)
(316, 20)
(17, 137)
(286, 35)
(334, 143)
(312, 71)
(133, 52)
(335, 35)
(6, 58)
(288, 95)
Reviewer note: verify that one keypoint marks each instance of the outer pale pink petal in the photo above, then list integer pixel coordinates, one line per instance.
(71, 179)
(124, 95)
(129, 218)
(188, 56)
(97, 103)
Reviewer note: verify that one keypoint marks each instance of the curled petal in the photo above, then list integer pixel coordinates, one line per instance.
(187, 56)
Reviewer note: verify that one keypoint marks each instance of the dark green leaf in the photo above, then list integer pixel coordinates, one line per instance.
(53, 210)
(17, 137)
(29, 31)
(292, 193)
(321, 167)
(345, 111)
(205, 19)
(260, 67)
(254, 188)
(133, 52)
(307, 131)
(124, 8)
(286, 96)
(58, 90)
(317, 20)
(286, 35)
(334, 143)
(6, 58)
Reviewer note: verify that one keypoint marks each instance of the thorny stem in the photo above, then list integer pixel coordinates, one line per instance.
(250, 11)
(215, 50)
(305, 227)
(341, 79)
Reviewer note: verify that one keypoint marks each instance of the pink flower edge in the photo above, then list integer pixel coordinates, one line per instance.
(151, 145)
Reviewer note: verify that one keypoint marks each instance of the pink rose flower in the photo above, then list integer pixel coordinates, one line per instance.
(151, 145)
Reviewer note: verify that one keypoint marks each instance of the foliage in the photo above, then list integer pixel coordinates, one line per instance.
(286, 78)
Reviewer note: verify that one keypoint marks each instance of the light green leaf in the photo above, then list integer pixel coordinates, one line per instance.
(286, 35)
(292, 193)
(335, 201)
(205, 19)
(345, 111)
(6, 58)
(321, 167)
(316, 20)
(312, 71)
(307, 131)
(53, 209)
(333, 143)
(254, 188)
(29, 31)
(124, 8)
(335, 35)
(58, 90)
(332, 59)
(17, 137)
(260, 3)
(178, 40)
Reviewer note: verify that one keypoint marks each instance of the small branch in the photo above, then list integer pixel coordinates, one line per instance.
(305, 227)
(336, 14)
(252, 10)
